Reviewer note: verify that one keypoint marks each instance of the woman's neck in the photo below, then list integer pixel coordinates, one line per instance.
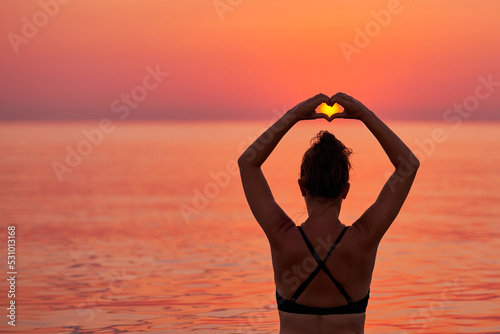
(321, 210)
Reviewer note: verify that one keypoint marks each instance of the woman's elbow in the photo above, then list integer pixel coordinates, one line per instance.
(241, 161)
(414, 162)
(409, 165)
(246, 159)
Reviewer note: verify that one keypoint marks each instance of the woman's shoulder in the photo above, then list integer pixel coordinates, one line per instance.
(287, 239)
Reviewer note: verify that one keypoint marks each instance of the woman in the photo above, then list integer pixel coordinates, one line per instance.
(322, 268)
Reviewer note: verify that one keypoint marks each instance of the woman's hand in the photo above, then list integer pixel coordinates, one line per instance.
(352, 107)
(307, 109)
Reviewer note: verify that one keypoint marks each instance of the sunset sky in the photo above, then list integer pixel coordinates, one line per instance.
(239, 59)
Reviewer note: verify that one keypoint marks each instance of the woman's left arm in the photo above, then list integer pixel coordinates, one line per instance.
(266, 211)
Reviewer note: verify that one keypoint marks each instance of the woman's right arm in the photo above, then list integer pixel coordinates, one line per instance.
(378, 218)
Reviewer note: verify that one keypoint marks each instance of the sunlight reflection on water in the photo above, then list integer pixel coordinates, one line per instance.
(108, 250)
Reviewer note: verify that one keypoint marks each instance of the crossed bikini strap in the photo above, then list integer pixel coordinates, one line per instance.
(322, 266)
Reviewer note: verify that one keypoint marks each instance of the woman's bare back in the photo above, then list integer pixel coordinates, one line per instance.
(351, 263)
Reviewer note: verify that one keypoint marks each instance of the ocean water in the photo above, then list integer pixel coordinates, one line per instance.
(144, 227)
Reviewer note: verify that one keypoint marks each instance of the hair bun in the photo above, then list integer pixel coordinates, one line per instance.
(325, 139)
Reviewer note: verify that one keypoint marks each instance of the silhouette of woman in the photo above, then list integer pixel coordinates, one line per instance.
(322, 268)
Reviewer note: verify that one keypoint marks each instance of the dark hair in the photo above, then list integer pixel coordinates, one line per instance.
(325, 166)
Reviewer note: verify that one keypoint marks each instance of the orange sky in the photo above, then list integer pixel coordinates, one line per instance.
(245, 58)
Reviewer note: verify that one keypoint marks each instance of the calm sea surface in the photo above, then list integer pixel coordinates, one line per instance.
(146, 229)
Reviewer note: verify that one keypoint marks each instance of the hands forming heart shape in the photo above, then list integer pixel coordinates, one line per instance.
(339, 105)
(329, 110)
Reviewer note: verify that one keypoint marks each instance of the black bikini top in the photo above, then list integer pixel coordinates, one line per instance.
(291, 306)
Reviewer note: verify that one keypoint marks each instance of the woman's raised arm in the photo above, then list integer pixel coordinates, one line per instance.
(379, 217)
(266, 211)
